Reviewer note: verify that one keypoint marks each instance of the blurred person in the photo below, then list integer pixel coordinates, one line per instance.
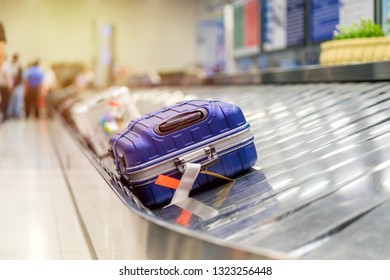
(15, 105)
(2, 45)
(50, 85)
(6, 83)
(3, 84)
(49, 81)
(122, 75)
(84, 80)
(33, 88)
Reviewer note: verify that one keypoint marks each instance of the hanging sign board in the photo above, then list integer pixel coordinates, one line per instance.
(246, 28)
(324, 18)
(295, 23)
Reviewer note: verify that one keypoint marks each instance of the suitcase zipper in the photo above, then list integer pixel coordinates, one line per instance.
(232, 137)
(224, 146)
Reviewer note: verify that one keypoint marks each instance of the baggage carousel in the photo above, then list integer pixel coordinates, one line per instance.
(320, 188)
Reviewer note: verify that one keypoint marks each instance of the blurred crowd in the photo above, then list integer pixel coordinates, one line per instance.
(23, 88)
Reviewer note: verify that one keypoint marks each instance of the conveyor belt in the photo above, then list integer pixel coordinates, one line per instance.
(321, 186)
(323, 168)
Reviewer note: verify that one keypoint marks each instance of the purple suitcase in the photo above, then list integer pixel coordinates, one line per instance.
(212, 133)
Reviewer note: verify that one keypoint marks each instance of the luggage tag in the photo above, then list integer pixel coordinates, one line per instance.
(224, 194)
(173, 183)
(181, 197)
(183, 187)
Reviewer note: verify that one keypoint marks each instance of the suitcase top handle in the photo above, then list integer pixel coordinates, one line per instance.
(181, 121)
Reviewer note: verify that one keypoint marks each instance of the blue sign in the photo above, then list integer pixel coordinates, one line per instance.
(295, 22)
(324, 18)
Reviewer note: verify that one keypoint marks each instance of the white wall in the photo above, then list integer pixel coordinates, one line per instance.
(149, 34)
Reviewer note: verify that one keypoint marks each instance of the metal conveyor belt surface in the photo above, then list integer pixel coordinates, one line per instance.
(321, 186)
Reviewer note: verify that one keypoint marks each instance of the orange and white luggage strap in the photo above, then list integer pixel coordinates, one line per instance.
(183, 187)
(181, 197)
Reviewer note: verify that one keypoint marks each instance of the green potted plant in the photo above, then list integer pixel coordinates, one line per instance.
(361, 42)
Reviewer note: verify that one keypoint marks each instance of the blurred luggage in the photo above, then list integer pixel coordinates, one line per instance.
(102, 115)
(56, 98)
(152, 100)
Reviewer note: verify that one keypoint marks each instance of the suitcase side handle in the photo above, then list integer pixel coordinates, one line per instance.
(181, 121)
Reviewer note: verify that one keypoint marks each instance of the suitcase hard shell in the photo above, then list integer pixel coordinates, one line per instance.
(209, 132)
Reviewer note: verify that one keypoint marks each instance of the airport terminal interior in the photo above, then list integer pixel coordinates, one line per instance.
(197, 129)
